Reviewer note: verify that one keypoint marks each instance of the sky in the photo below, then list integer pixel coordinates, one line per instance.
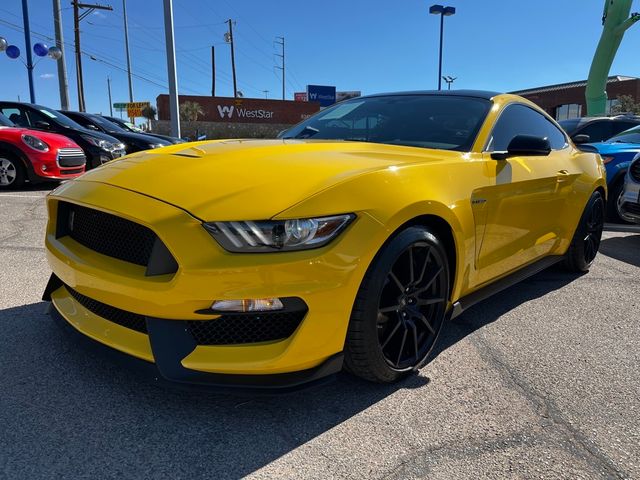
(372, 46)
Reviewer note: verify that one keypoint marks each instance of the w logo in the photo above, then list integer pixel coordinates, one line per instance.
(312, 96)
(225, 111)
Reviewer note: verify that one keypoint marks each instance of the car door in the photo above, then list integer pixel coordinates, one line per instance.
(517, 212)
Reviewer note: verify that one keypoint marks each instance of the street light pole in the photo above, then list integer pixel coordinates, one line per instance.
(27, 44)
(171, 68)
(443, 12)
(126, 46)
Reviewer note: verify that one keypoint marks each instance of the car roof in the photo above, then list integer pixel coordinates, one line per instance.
(487, 95)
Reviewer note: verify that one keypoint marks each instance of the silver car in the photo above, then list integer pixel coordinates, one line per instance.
(629, 201)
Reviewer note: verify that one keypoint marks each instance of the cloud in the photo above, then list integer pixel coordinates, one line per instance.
(99, 14)
(47, 76)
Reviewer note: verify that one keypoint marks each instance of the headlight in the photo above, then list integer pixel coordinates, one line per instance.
(35, 143)
(278, 235)
(103, 144)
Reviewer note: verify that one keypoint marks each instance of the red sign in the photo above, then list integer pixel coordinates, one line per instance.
(243, 110)
(300, 96)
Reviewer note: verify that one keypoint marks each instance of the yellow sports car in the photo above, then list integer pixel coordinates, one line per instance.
(351, 239)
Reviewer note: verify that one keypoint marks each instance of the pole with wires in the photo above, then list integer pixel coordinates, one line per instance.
(280, 41)
(171, 68)
(63, 83)
(126, 46)
(109, 91)
(229, 39)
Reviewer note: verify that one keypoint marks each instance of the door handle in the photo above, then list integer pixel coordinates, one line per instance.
(563, 175)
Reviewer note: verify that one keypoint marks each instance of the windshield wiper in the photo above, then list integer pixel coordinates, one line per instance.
(306, 129)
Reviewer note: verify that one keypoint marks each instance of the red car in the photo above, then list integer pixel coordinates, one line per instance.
(36, 156)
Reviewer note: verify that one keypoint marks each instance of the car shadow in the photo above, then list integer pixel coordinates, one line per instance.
(626, 249)
(60, 401)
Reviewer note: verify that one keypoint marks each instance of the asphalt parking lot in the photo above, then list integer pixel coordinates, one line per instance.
(539, 382)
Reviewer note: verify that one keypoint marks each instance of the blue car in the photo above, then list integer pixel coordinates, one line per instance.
(617, 153)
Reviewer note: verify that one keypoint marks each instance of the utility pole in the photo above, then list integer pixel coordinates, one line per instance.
(63, 83)
(27, 44)
(77, 18)
(229, 39)
(213, 71)
(449, 79)
(126, 46)
(266, 93)
(171, 68)
(109, 90)
(280, 41)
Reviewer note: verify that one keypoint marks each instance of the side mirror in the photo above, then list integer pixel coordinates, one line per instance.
(42, 125)
(281, 133)
(525, 146)
(581, 138)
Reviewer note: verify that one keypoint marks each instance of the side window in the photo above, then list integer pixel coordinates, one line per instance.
(16, 115)
(519, 119)
(35, 117)
(622, 126)
(597, 131)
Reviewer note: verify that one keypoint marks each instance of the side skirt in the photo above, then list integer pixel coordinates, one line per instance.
(516, 277)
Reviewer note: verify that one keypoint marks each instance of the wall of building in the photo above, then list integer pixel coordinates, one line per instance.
(243, 110)
(217, 130)
(558, 95)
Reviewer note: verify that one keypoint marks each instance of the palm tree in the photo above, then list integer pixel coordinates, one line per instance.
(149, 113)
(190, 111)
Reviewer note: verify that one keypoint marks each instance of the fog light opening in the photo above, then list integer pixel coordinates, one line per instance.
(248, 305)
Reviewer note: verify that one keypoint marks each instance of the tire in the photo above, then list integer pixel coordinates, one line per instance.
(586, 239)
(615, 192)
(399, 310)
(12, 173)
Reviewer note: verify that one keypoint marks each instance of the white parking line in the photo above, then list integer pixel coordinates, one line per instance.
(21, 196)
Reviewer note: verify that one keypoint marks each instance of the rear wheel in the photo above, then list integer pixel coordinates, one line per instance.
(400, 308)
(586, 240)
(11, 172)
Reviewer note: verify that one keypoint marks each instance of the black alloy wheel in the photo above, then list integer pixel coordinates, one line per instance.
(586, 239)
(400, 307)
(593, 230)
(409, 316)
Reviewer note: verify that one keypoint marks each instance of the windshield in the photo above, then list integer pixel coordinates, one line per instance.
(104, 123)
(628, 136)
(5, 122)
(445, 122)
(61, 119)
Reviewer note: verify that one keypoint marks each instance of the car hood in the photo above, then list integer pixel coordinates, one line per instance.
(606, 148)
(250, 179)
(138, 138)
(54, 140)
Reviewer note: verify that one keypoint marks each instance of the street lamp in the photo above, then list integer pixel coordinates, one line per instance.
(40, 49)
(443, 12)
(449, 79)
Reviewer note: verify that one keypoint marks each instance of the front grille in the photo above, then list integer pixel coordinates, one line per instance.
(634, 170)
(106, 234)
(71, 171)
(232, 329)
(71, 157)
(245, 328)
(633, 208)
(123, 318)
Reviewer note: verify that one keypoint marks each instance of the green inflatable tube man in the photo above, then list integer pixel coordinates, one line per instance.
(616, 21)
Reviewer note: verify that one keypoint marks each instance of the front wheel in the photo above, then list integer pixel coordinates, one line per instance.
(586, 239)
(400, 307)
(11, 173)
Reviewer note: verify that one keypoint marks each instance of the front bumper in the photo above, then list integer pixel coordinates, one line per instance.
(326, 280)
(629, 201)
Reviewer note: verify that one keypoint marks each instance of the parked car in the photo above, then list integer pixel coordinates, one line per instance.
(282, 259)
(36, 156)
(98, 147)
(130, 127)
(629, 201)
(617, 153)
(598, 129)
(133, 142)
